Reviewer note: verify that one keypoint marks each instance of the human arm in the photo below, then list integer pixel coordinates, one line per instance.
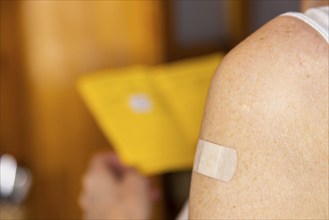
(269, 101)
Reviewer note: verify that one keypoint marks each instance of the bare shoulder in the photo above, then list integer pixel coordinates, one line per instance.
(269, 100)
(277, 76)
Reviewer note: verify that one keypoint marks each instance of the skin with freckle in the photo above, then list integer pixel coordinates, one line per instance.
(269, 101)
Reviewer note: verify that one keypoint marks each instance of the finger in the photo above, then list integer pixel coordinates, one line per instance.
(100, 162)
(112, 162)
(100, 178)
(134, 179)
(99, 158)
(109, 160)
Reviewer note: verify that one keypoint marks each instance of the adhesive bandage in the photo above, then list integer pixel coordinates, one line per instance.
(215, 161)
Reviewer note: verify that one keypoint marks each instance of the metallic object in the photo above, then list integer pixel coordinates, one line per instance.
(15, 181)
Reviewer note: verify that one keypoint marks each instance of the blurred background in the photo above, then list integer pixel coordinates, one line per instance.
(47, 45)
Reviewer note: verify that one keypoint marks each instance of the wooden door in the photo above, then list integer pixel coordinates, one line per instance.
(48, 45)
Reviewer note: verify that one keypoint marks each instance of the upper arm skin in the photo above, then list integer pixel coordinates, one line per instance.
(269, 101)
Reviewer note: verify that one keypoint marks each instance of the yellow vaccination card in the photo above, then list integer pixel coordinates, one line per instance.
(151, 115)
